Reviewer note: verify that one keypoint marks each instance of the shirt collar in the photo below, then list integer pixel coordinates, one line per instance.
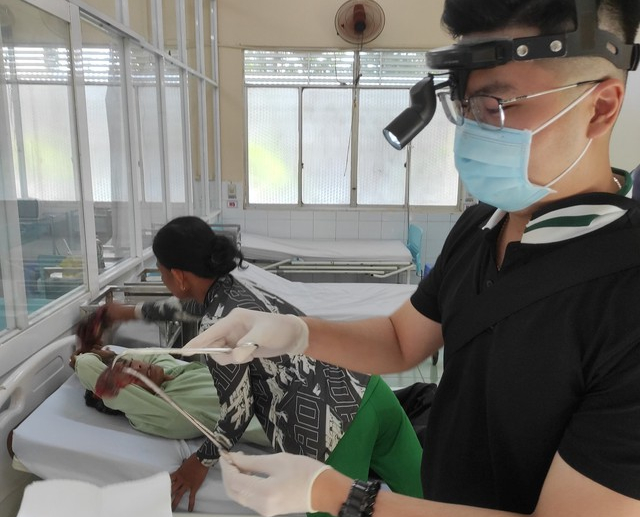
(569, 221)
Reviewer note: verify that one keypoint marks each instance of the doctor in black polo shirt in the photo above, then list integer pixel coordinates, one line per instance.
(534, 296)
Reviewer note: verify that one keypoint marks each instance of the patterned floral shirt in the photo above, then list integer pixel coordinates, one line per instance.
(305, 406)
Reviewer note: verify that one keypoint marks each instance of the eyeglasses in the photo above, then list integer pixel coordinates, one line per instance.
(487, 110)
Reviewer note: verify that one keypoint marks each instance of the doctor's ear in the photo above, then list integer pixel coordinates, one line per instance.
(608, 101)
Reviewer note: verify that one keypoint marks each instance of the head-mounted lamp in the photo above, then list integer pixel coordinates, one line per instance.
(461, 59)
(414, 119)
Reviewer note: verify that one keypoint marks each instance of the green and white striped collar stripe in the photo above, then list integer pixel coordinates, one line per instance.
(569, 222)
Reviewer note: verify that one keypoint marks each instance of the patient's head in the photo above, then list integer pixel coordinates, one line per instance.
(153, 372)
(188, 250)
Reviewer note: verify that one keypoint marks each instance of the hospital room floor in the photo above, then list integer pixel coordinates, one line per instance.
(424, 372)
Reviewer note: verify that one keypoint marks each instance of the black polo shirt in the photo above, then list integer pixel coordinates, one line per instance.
(561, 375)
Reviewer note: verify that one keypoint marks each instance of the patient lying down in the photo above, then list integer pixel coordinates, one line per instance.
(189, 385)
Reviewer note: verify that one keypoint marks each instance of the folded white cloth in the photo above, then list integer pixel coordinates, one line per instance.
(147, 497)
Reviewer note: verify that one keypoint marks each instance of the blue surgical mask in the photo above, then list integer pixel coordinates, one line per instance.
(493, 165)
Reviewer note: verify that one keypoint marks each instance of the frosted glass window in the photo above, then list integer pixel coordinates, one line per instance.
(108, 147)
(195, 133)
(326, 146)
(434, 179)
(175, 140)
(381, 168)
(145, 84)
(309, 112)
(272, 145)
(212, 184)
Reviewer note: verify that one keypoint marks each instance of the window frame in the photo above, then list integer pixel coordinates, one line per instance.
(361, 84)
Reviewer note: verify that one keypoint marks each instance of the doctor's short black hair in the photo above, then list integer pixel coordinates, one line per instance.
(461, 17)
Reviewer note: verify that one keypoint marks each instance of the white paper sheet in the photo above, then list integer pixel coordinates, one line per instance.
(147, 497)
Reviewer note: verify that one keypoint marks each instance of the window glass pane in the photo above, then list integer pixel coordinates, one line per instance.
(195, 114)
(381, 168)
(379, 177)
(273, 145)
(209, 38)
(110, 171)
(41, 249)
(326, 146)
(434, 179)
(211, 148)
(145, 86)
(175, 140)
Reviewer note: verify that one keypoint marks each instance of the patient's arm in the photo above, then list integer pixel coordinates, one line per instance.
(236, 411)
(377, 345)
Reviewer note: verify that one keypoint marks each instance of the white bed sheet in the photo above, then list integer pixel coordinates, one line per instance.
(65, 439)
(260, 247)
(334, 301)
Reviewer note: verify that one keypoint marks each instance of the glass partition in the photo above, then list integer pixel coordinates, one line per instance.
(144, 76)
(108, 136)
(42, 244)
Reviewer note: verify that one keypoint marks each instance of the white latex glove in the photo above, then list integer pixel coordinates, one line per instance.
(271, 335)
(285, 489)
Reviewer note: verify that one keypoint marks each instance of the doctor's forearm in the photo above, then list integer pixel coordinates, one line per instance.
(331, 489)
(369, 346)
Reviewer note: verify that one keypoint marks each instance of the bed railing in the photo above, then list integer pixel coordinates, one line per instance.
(23, 391)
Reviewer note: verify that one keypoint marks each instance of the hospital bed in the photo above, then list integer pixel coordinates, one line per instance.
(327, 300)
(376, 258)
(62, 438)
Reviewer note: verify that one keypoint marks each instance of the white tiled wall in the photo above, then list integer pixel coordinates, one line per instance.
(339, 224)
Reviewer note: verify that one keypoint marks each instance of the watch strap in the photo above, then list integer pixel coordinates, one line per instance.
(361, 499)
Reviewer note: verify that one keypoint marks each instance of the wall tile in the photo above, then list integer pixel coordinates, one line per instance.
(302, 229)
(279, 228)
(324, 215)
(279, 215)
(368, 215)
(302, 215)
(439, 218)
(347, 229)
(394, 216)
(324, 229)
(370, 230)
(252, 215)
(393, 230)
(347, 216)
(257, 226)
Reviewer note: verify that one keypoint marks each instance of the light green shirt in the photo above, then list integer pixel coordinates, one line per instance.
(191, 389)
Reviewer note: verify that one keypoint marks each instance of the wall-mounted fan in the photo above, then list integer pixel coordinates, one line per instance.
(359, 21)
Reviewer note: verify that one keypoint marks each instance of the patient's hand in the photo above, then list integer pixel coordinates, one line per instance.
(189, 477)
(90, 329)
(105, 354)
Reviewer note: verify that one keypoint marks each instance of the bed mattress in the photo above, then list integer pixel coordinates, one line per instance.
(333, 301)
(64, 439)
(262, 248)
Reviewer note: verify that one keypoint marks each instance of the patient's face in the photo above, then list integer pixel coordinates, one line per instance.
(152, 372)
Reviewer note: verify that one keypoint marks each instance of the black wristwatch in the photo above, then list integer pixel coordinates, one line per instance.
(361, 499)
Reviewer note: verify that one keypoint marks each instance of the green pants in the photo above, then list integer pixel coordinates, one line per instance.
(380, 438)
